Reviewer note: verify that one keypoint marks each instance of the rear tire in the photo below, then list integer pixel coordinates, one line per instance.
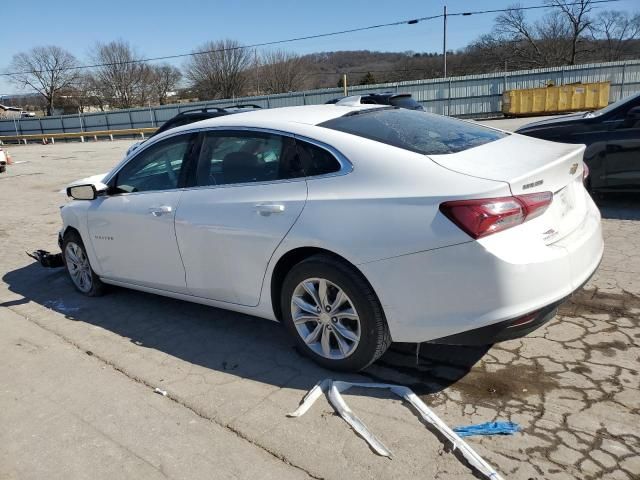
(339, 322)
(78, 267)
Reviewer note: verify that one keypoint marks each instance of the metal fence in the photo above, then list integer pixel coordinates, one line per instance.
(471, 95)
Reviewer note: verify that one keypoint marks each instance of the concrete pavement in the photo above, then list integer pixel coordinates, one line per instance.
(68, 414)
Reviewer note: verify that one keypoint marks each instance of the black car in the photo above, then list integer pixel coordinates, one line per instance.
(191, 116)
(612, 137)
(402, 100)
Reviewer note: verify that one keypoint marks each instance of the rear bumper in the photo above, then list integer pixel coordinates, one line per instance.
(507, 330)
(501, 331)
(439, 294)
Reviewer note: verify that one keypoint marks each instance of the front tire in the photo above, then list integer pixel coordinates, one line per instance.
(333, 314)
(78, 267)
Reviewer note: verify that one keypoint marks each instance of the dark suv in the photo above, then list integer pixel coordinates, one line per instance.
(402, 100)
(191, 116)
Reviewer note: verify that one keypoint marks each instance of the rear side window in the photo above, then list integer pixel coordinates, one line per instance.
(415, 131)
(316, 160)
(246, 157)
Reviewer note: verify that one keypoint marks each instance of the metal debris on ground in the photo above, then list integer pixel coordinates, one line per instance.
(47, 259)
(333, 389)
(160, 392)
(488, 428)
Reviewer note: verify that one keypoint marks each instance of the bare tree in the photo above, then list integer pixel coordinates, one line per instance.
(219, 71)
(165, 79)
(553, 40)
(576, 14)
(121, 76)
(617, 30)
(46, 70)
(512, 26)
(282, 71)
(93, 90)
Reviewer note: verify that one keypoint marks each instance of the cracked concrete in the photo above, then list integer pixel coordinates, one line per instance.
(77, 374)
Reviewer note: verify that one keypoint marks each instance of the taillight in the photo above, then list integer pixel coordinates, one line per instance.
(585, 172)
(535, 203)
(484, 216)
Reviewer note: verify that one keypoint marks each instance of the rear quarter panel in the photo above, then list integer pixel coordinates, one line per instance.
(387, 206)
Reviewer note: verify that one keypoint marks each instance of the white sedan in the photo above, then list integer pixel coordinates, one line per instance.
(354, 225)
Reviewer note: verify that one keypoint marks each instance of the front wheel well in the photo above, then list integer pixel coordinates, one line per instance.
(70, 229)
(287, 262)
(66, 232)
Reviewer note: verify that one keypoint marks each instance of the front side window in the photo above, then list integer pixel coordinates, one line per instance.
(413, 130)
(246, 157)
(155, 168)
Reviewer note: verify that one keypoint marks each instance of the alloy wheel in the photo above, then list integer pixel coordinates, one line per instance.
(78, 266)
(325, 318)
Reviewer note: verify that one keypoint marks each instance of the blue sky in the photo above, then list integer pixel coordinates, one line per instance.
(163, 27)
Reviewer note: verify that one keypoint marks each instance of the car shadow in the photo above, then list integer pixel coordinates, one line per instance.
(619, 206)
(222, 340)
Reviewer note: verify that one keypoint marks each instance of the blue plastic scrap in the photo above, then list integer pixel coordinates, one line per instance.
(489, 428)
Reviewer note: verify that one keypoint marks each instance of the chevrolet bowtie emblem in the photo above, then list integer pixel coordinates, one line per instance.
(573, 169)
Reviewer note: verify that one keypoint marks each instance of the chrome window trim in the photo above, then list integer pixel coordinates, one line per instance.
(245, 184)
(346, 166)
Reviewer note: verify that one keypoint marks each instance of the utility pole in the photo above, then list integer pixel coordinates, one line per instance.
(444, 40)
(255, 63)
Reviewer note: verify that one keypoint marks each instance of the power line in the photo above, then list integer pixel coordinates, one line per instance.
(239, 47)
(533, 7)
(307, 37)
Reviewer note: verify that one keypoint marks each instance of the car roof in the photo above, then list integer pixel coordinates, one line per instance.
(283, 118)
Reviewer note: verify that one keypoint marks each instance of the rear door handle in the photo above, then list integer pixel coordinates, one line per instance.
(266, 209)
(159, 211)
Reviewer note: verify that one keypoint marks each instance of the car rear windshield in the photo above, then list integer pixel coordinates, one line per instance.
(416, 131)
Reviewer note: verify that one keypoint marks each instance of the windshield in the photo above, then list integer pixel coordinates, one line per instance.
(420, 132)
(612, 107)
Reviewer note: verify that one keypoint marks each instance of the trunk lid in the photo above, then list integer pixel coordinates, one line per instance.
(531, 165)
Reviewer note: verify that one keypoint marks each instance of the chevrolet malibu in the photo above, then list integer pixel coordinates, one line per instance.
(354, 225)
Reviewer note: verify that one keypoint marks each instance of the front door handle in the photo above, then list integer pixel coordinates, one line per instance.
(159, 211)
(266, 209)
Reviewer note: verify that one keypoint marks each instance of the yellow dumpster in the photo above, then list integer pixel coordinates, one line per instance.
(549, 100)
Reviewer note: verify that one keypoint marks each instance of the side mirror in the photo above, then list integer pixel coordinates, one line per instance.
(86, 192)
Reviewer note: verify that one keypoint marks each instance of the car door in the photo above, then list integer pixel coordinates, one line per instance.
(248, 190)
(621, 162)
(132, 228)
